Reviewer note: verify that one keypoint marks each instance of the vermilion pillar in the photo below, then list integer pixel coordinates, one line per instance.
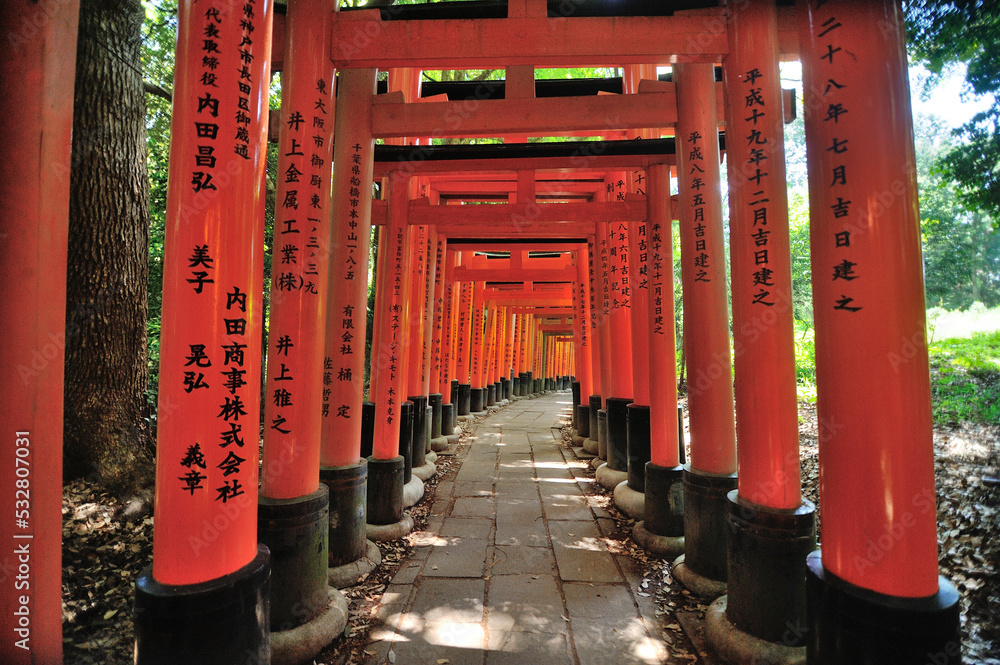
(662, 529)
(209, 404)
(637, 284)
(463, 343)
(622, 384)
(583, 361)
(343, 469)
(297, 320)
(766, 591)
(386, 466)
(594, 400)
(711, 474)
(879, 558)
(438, 363)
(604, 335)
(420, 273)
(348, 277)
(293, 514)
(418, 258)
(477, 349)
(660, 312)
(36, 123)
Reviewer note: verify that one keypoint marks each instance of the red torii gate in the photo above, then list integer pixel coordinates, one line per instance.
(749, 39)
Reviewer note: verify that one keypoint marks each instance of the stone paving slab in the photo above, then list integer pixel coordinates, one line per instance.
(512, 567)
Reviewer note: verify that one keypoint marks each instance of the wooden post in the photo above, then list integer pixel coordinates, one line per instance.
(876, 453)
(36, 124)
(209, 404)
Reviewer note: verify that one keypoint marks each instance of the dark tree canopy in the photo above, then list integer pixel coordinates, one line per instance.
(944, 34)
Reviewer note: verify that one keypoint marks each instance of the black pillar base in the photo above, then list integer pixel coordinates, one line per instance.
(507, 393)
(706, 523)
(406, 438)
(539, 388)
(464, 399)
(225, 621)
(348, 511)
(491, 395)
(618, 433)
(385, 490)
(582, 412)
(576, 402)
(418, 443)
(447, 419)
(434, 399)
(516, 390)
(453, 394)
(497, 392)
(848, 624)
(638, 445)
(296, 531)
(477, 400)
(602, 434)
(767, 569)
(367, 428)
(664, 505)
(595, 403)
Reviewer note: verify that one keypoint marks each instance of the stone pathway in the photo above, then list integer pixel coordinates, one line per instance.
(513, 566)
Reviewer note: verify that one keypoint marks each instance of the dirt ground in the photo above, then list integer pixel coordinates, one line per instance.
(107, 543)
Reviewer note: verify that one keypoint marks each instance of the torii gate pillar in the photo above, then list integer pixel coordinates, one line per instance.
(36, 123)
(772, 528)
(874, 595)
(711, 473)
(206, 597)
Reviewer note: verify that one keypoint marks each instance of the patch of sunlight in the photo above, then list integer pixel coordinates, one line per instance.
(555, 480)
(450, 634)
(588, 544)
(551, 465)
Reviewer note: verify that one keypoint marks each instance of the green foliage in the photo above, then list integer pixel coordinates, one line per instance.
(159, 36)
(961, 248)
(942, 35)
(966, 379)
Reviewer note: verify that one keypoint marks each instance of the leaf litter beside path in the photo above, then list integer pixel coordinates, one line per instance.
(107, 543)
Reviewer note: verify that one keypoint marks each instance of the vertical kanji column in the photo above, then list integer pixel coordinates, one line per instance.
(439, 381)
(772, 528)
(386, 466)
(417, 341)
(619, 312)
(192, 605)
(661, 530)
(489, 357)
(36, 124)
(584, 384)
(477, 348)
(463, 342)
(449, 382)
(594, 400)
(508, 353)
(711, 474)
(343, 468)
(293, 515)
(605, 335)
(875, 594)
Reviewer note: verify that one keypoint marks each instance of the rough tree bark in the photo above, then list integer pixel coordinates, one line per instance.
(106, 362)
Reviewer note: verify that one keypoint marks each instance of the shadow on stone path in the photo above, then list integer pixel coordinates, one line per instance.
(513, 566)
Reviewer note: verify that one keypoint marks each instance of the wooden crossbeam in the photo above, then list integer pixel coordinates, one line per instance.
(362, 39)
(543, 116)
(464, 274)
(512, 217)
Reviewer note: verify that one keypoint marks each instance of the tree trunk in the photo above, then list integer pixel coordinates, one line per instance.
(106, 366)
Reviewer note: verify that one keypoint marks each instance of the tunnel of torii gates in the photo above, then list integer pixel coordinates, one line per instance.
(504, 270)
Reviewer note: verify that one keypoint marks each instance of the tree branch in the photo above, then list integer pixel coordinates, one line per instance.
(153, 89)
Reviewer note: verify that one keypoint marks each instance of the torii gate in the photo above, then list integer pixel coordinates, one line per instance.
(876, 468)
